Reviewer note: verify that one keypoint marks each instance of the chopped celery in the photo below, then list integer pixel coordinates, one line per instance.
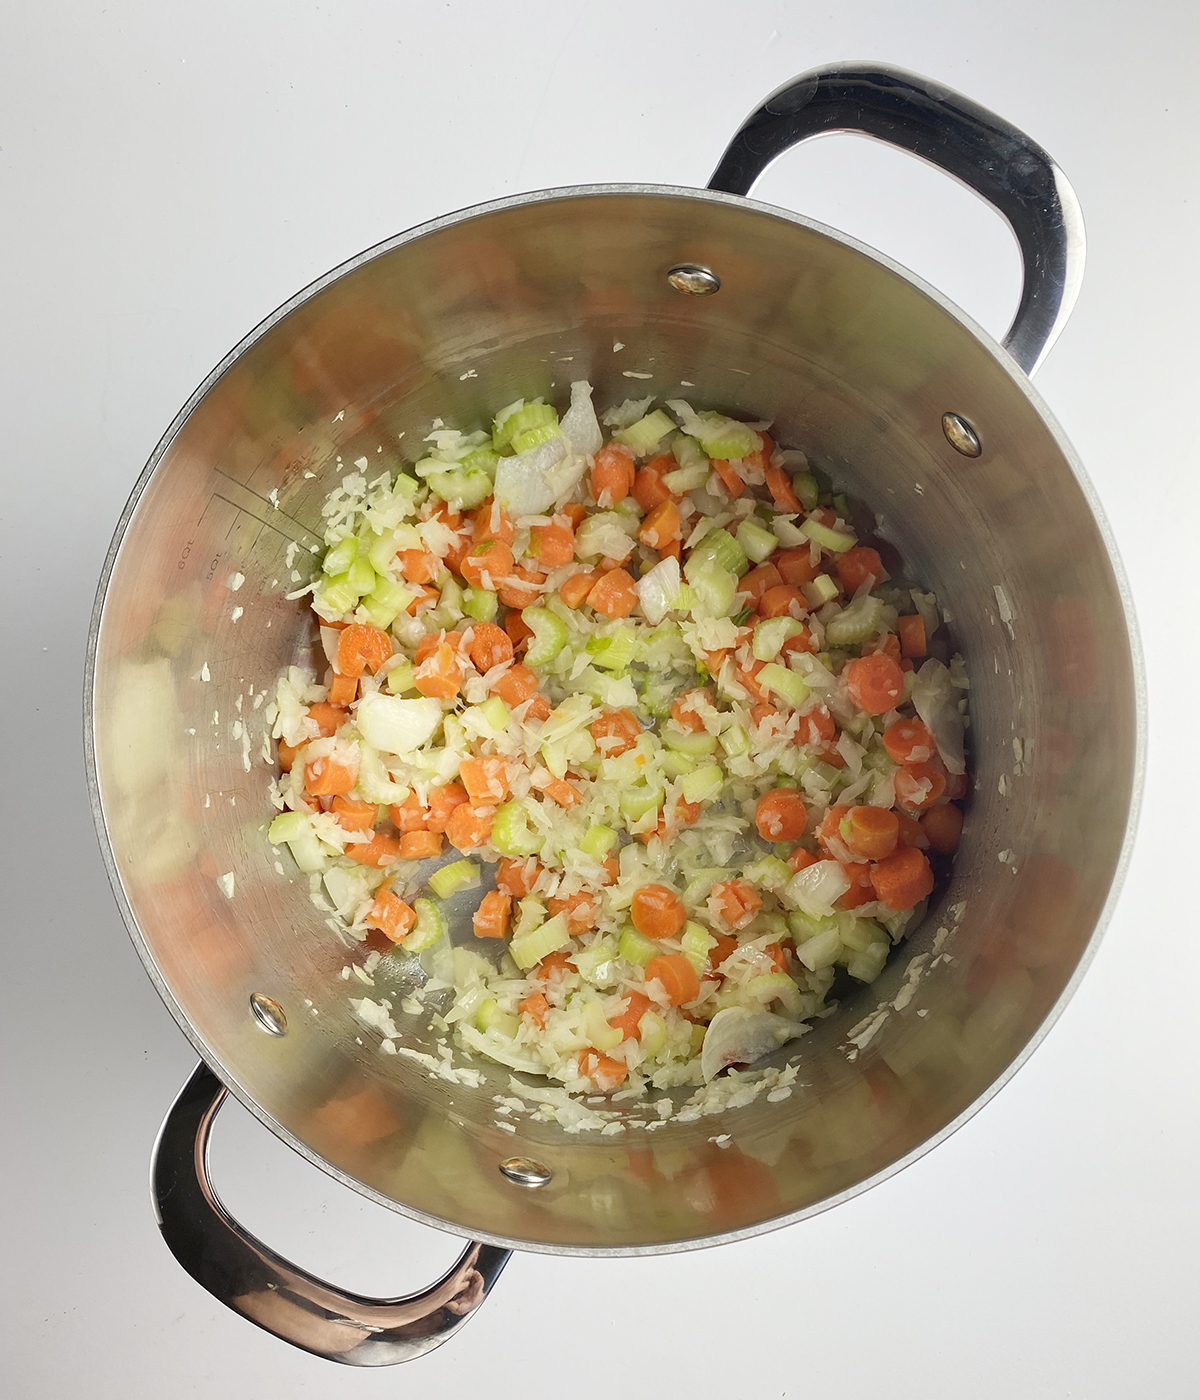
(480, 604)
(724, 437)
(695, 942)
(287, 826)
(636, 801)
(595, 963)
(769, 636)
(652, 1034)
(823, 589)
(337, 594)
(684, 741)
(595, 1026)
(867, 965)
(531, 914)
(525, 419)
(787, 684)
(820, 951)
(857, 935)
(512, 833)
(309, 852)
(734, 740)
(614, 652)
(770, 872)
(549, 636)
(676, 765)
(856, 622)
(777, 986)
(481, 459)
(635, 948)
(383, 548)
(530, 948)
(696, 1034)
(715, 588)
(402, 678)
(534, 437)
(646, 433)
(835, 540)
(704, 785)
(386, 601)
(452, 596)
(428, 928)
(598, 841)
(495, 711)
(689, 478)
(758, 543)
(690, 455)
(458, 875)
(657, 696)
(465, 489)
(489, 1017)
(341, 556)
(804, 484)
(805, 926)
(720, 548)
(361, 576)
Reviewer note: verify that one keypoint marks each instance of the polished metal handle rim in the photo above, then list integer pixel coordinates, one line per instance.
(276, 1295)
(1007, 169)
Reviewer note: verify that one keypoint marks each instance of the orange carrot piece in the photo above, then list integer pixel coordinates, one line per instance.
(418, 565)
(758, 580)
(492, 522)
(342, 690)
(517, 684)
(795, 565)
(734, 902)
(817, 726)
(538, 708)
(490, 646)
(677, 977)
(390, 915)
(908, 741)
(913, 642)
(919, 785)
(614, 594)
(685, 710)
(469, 826)
(556, 964)
(615, 732)
(329, 718)
(627, 1022)
(800, 859)
(582, 910)
(661, 526)
(943, 826)
(490, 920)
(485, 779)
(487, 564)
(725, 945)
(353, 815)
(360, 646)
(556, 789)
(903, 879)
(870, 832)
(612, 474)
(379, 851)
(517, 877)
(604, 1072)
(780, 815)
(911, 832)
(861, 890)
(409, 815)
(286, 754)
(553, 545)
(439, 675)
(649, 488)
(728, 477)
(442, 802)
(858, 566)
(657, 912)
(536, 1007)
(874, 683)
(420, 845)
(574, 590)
(523, 588)
(781, 491)
(783, 601)
(326, 777)
(576, 512)
(426, 598)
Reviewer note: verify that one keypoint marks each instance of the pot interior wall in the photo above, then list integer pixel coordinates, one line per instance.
(856, 365)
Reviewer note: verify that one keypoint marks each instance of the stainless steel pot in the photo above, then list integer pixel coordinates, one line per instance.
(874, 374)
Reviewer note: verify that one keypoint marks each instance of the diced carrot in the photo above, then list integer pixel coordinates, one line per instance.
(418, 565)
(604, 1072)
(956, 786)
(360, 646)
(661, 526)
(326, 777)
(784, 600)
(614, 594)
(553, 965)
(485, 779)
(615, 732)
(536, 1007)
(420, 845)
(409, 815)
(800, 859)
(801, 641)
(627, 1021)
(861, 890)
(487, 564)
(912, 635)
(747, 676)
(919, 785)
(870, 832)
(329, 718)
(342, 690)
(685, 710)
(460, 547)
(432, 640)
(612, 474)
(517, 630)
(490, 646)
(828, 833)
(775, 952)
(908, 741)
(490, 920)
(781, 491)
(677, 977)
(780, 815)
(523, 588)
(379, 851)
(725, 945)
(469, 826)
(442, 803)
(911, 832)
(287, 755)
(553, 545)
(390, 915)
(942, 826)
(426, 597)
(764, 713)
(517, 877)
(734, 902)
(576, 512)
(727, 476)
(582, 910)
(556, 789)
(538, 707)
(874, 683)
(858, 566)
(903, 879)
(657, 911)
(758, 580)
(492, 522)
(795, 565)
(575, 589)
(439, 675)
(353, 815)
(649, 488)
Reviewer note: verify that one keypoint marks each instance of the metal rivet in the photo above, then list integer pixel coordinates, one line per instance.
(697, 281)
(268, 1014)
(523, 1171)
(961, 435)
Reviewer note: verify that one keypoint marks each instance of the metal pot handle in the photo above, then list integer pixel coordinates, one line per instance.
(241, 1272)
(1001, 164)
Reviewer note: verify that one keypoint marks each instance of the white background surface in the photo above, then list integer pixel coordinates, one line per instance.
(169, 174)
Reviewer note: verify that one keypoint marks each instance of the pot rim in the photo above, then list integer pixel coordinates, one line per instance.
(1037, 403)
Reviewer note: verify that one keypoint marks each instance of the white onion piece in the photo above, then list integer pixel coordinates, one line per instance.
(737, 1036)
(579, 425)
(329, 644)
(816, 889)
(397, 726)
(658, 589)
(623, 414)
(523, 483)
(936, 701)
(604, 535)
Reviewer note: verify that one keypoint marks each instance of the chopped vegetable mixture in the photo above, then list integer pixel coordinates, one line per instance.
(654, 702)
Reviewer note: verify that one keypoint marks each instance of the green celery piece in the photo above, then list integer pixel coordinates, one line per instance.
(534, 437)
(339, 558)
(690, 455)
(480, 604)
(821, 590)
(652, 1034)
(309, 853)
(402, 678)
(770, 872)
(656, 697)
(288, 826)
(602, 1036)
(725, 438)
(676, 765)
(512, 831)
(698, 745)
(734, 740)
(866, 966)
(408, 486)
(857, 622)
(777, 986)
(714, 586)
(337, 595)
(482, 459)
(361, 576)
(549, 636)
(646, 433)
(495, 711)
(614, 652)
(428, 928)
(386, 601)
(695, 943)
(598, 841)
(720, 548)
(804, 484)
(689, 478)
(527, 949)
(783, 682)
(834, 540)
(770, 635)
(458, 875)
(595, 962)
(704, 785)
(489, 1017)
(636, 948)
(523, 420)
(758, 543)
(635, 802)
